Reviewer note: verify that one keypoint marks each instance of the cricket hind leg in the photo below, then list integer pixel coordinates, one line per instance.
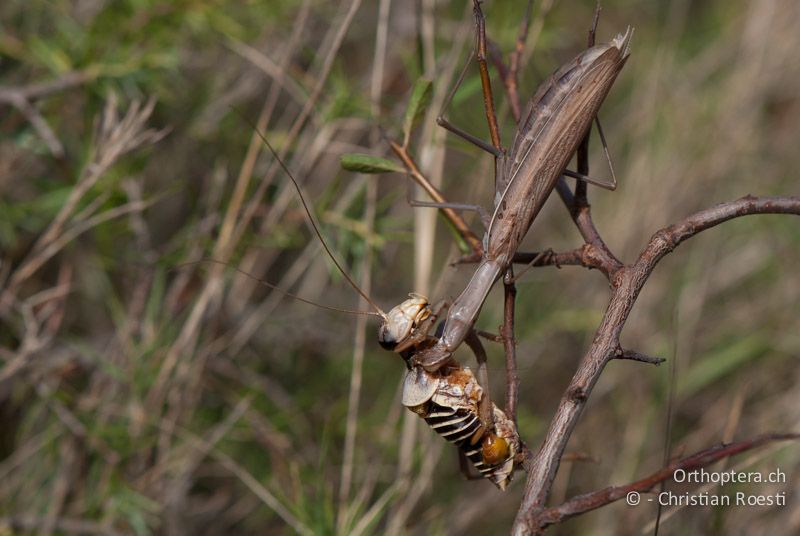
(467, 469)
(485, 411)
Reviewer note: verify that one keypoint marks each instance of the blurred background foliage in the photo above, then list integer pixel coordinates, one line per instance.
(140, 394)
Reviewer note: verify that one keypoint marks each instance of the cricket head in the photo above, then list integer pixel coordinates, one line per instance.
(402, 324)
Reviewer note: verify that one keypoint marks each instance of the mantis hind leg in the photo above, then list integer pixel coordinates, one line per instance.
(443, 122)
(494, 147)
(485, 218)
(606, 184)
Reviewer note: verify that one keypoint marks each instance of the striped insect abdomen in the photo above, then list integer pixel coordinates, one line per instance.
(458, 426)
(462, 428)
(448, 401)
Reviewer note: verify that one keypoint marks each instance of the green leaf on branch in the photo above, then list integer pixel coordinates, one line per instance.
(420, 99)
(364, 163)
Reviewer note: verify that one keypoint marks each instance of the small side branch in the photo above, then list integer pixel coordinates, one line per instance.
(510, 344)
(588, 256)
(591, 501)
(580, 210)
(453, 217)
(483, 68)
(636, 356)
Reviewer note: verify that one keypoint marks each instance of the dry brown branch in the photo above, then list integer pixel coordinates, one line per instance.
(587, 256)
(591, 501)
(627, 282)
(455, 218)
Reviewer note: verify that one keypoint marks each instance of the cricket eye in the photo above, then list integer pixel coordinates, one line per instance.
(386, 338)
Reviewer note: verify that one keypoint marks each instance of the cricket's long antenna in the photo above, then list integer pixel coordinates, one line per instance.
(311, 219)
(277, 288)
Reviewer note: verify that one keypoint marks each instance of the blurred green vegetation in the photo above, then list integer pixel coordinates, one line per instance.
(145, 390)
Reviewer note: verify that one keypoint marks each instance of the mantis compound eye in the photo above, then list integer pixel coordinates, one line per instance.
(401, 321)
(494, 449)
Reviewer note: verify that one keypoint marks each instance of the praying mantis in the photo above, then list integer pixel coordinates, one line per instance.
(437, 387)
(554, 124)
